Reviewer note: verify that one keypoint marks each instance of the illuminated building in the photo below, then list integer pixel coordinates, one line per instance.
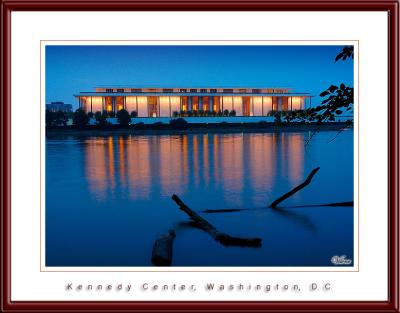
(163, 102)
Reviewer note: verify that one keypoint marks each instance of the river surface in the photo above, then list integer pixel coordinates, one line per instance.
(109, 197)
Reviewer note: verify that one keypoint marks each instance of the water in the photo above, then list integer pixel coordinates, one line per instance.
(108, 198)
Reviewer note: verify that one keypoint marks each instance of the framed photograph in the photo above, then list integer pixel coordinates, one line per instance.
(198, 156)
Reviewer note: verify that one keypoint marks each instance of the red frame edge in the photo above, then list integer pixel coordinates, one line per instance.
(390, 6)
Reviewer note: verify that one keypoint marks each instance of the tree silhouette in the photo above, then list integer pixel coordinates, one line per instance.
(61, 118)
(50, 117)
(80, 118)
(337, 99)
(101, 118)
(123, 117)
(347, 52)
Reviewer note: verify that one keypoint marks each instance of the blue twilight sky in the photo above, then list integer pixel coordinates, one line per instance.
(71, 69)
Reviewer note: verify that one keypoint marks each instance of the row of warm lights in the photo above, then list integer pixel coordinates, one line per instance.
(171, 104)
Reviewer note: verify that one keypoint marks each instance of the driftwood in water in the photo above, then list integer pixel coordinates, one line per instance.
(223, 238)
(294, 190)
(347, 203)
(223, 210)
(162, 249)
(335, 204)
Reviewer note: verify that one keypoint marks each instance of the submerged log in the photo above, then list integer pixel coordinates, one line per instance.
(223, 210)
(334, 204)
(221, 237)
(294, 190)
(346, 203)
(162, 249)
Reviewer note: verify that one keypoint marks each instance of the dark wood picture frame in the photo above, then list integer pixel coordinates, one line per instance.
(390, 6)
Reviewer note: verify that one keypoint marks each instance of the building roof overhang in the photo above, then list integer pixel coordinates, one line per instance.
(183, 94)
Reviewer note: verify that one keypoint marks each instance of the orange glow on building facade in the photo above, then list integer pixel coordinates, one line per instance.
(163, 102)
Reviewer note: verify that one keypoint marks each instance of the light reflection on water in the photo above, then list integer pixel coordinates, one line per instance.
(108, 198)
(179, 163)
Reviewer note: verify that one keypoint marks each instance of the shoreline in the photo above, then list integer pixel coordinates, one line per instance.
(151, 129)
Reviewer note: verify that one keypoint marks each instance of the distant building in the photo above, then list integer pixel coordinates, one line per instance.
(59, 106)
(163, 102)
